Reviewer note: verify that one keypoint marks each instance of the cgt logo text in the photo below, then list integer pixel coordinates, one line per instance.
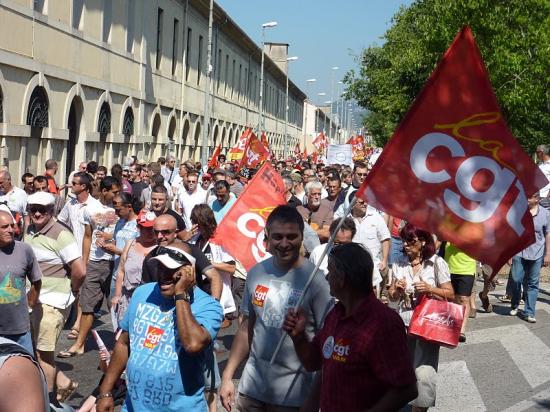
(338, 351)
(153, 337)
(260, 294)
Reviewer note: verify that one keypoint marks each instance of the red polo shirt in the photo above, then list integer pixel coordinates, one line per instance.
(52, 185)
(363, 354)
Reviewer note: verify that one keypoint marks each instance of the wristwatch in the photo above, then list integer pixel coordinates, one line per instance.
(103, 395)
(183, 296)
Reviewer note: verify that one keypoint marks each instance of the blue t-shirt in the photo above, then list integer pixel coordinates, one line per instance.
(124, 232)
(160, 374)
(219, 210)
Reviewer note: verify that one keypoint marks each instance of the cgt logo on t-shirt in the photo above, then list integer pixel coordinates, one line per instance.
(260, 294)
(153, 337)
(338, 351)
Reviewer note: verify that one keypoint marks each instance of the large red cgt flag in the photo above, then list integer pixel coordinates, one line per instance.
(453, 167)
(241, 232)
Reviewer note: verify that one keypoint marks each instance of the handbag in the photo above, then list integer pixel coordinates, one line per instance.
(437, 321)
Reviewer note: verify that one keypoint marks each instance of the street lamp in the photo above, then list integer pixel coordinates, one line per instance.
(288, 59)
(264, 26)
(309, 82)
(334, 68)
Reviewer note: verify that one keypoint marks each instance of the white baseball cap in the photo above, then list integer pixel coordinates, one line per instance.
(173, 257)
(41, 198)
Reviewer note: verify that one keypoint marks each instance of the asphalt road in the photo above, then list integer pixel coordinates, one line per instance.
(503, 366)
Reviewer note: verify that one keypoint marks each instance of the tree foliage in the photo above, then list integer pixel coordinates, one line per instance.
(512, 35)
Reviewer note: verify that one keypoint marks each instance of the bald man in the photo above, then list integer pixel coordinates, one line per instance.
(17, 264)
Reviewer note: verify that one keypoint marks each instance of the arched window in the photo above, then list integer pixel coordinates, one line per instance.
(104, 120)
(128, 125)
(38, 108)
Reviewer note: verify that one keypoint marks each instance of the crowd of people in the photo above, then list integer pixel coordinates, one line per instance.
(137, 238)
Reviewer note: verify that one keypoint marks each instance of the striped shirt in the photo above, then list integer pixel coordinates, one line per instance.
(55, 248)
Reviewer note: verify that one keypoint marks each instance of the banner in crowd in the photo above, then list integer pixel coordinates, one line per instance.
(453, 167)
(241, 232)
(357, 146)
(213, 163)
(255, 153)
(321, 143)
(237, 151)
(340, 154)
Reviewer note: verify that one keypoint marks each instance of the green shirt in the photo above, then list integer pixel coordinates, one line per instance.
(459, 262)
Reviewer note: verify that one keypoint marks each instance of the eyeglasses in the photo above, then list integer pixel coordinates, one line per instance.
(177, 256)
(164, 232)
(40, 209)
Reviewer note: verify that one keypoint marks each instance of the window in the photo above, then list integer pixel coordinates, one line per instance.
(226, 78)
(160, 14)
(107, 18)
(219, 73)
(77, 13)
(41, 6)
(233, 81)
(175, 46)
(130, 27)
(188, 54)
(199, 61)
(240, 86)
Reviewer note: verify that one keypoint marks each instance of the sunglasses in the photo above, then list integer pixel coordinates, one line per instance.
(40, 209)
(177, 256)
(411, 242)
(164, 232)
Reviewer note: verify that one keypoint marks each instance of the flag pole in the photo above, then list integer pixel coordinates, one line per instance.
(327, 249)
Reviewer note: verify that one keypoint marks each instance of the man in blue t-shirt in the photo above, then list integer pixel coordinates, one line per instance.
(165, 330)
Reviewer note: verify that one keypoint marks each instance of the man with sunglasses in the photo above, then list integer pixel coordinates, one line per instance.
(17, 264)
(63, 270)
(360, 172)
(164, 332)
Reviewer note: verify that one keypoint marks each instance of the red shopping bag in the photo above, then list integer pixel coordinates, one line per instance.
(437, 321)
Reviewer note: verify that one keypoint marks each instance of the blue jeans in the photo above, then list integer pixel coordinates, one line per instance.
(527, 273)
(24, 339)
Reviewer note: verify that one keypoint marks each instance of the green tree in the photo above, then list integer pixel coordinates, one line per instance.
(512, 35)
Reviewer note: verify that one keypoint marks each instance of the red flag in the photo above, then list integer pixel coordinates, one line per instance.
(321, 143)
(263, 139)
(213, 163)
(357, 147)
(304, 155)
(255, 153)
(237, 151)
(241, 232)
(453, 167)
(297, 150)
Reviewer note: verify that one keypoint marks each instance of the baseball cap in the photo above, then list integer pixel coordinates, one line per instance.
(4, 208)
(173, 257)
(41, 198)
(146, 218)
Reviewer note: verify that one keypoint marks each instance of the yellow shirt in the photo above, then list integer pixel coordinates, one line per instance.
(459, 262)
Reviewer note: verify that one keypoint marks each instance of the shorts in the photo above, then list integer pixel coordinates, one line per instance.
(463, 284)
(47, 323)
(95, 285)
(248, 404)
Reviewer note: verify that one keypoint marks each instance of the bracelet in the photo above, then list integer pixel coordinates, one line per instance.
(104, 395)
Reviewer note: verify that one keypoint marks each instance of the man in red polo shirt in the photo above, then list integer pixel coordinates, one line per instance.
(51, 170)
(362, 347)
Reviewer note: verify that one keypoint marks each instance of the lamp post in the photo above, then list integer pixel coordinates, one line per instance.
(260, 120)
(338, 100)
(333, 69)
(206, 126)
(309, 82)
(285, 145)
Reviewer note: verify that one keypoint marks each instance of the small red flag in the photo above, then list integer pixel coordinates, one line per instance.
(453, 167)
(263, 139)
(255, 153)
(297, 150)
(241, 231)
(237, 151)
(321, 143)
(213, 163)
(357, 147)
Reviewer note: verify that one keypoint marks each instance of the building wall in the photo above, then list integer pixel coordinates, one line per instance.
(98, 59)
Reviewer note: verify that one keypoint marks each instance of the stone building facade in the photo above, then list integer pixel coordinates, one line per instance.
(101, 80)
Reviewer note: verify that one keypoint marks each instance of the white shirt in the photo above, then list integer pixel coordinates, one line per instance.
(545, 168)
(75, 215)
(371, 231)
(187, 201)
(323, 267)
(16, 200)
(402, 269)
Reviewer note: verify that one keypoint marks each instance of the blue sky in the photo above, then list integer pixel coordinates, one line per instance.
(322, 33)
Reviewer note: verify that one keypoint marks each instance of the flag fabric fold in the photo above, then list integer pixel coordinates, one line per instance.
(241, 232)
(213, 163)
(453, 167)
